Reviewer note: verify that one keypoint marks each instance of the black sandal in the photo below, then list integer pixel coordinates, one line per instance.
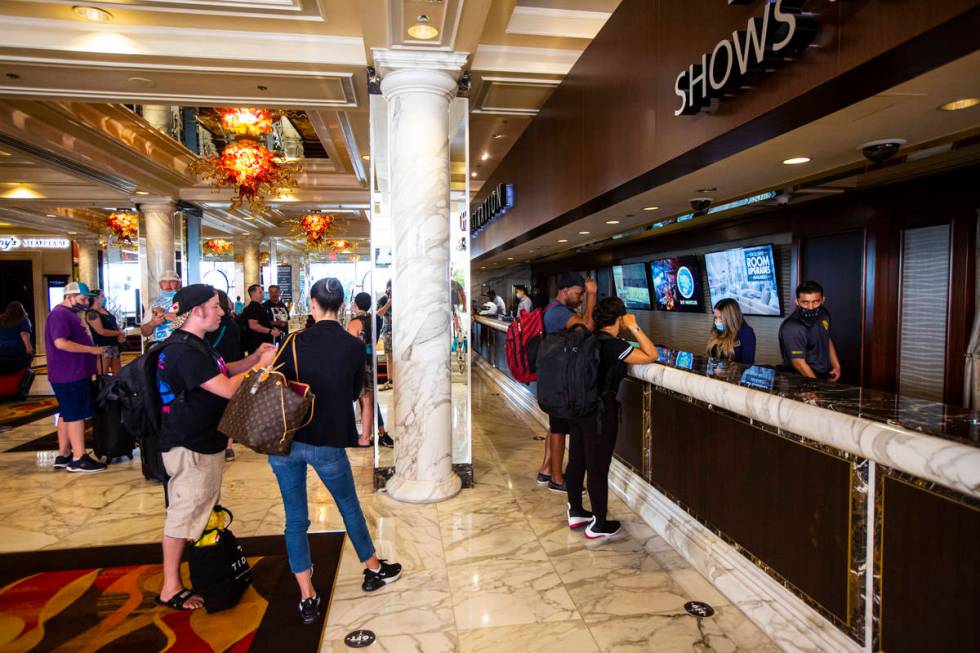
(178, 600)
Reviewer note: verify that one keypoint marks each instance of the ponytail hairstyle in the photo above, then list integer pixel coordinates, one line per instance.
(13, 315)
(722, 345)
(328, 293)
(607, 311)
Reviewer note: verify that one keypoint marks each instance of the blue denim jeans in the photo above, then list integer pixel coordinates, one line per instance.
(333, 468)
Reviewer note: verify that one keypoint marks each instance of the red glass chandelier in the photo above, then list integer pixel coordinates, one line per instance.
(217, 247)
(124, 225)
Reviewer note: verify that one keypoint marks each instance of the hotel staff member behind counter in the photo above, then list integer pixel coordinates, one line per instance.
(804, 337)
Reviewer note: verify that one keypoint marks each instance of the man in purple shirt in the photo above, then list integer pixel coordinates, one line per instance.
(71, 364)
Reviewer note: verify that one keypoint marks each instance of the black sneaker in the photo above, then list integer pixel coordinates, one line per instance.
(60, 462)
(386, 441)
(543, 479)
(578, 517)
(309, 609)
(555, 487)
(596, 531)
(85, 465)
(387, 573)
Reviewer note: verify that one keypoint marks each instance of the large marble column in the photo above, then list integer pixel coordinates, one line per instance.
(158, 254)
(418, 118)
(88, 260)
(250, 263)
(193, 253)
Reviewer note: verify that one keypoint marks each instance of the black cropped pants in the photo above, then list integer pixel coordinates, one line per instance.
(592, 440)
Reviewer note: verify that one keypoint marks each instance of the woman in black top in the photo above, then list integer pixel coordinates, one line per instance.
(593, 437)
(105, 333)
(331, 362)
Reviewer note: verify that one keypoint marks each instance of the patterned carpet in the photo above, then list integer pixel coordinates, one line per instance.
(102, 599)
(16, 413)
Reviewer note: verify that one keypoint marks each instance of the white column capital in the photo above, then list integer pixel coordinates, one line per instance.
(388, 60)
(156, 204)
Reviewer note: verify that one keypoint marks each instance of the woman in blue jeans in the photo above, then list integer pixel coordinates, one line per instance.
(331, 361)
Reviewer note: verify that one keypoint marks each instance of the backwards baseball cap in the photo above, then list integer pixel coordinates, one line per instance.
(79, 288)
(190, 296)
(569, 279)
(169, 275)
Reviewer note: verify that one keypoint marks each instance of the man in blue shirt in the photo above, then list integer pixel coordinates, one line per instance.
(804, 337)
(573, 291)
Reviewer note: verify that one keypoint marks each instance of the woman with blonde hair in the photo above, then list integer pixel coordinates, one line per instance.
(731, 337)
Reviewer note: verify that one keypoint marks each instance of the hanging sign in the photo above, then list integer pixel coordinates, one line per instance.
(782, 31)
(284, 279)
(500, 200)
(8, 243)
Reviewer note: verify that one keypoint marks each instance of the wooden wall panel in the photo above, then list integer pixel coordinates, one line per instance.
(930, 586)
(784, 503)
(629, 440)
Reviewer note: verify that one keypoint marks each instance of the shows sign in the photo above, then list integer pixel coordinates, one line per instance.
(8, 243)
(782, 31)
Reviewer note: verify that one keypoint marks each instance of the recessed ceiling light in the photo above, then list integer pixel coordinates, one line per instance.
(422, 30)
(563, 240)
(584, 233)
(72, 233)
(483, 267)
(246, 233)
(366, 157)
(484, 156)
(956, 105)
(94, 14)
(650, 208)
(796, 160)
(472, 174)
(612, 221)
(142, 192)
(510, 258)
(52, 215)
(709, 189)
(497, 137)
(2, 153)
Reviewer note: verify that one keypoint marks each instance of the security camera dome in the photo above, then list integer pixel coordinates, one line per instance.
(881, 150)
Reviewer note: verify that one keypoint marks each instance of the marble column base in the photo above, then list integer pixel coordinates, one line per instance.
(424, 491)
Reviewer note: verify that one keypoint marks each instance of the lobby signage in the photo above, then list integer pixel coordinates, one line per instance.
(782, 31)
(8, 243)
(500, 200)
(284, 279)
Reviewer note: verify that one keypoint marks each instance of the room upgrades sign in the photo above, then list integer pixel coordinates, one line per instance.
(782, 31)
(8, 243)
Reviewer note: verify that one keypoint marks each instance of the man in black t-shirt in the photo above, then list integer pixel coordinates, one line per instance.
(256, 321)
(278, 310)
(194, 384)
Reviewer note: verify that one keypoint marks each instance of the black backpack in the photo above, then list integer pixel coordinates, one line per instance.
(135, 390)
(568, 373)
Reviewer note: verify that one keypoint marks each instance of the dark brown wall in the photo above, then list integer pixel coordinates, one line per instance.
(930, 586)
(608, 132)
(785, 503)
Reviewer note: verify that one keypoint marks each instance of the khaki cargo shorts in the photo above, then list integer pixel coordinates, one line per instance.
(194, 489)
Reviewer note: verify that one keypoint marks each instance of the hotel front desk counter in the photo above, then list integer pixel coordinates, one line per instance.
(864, 505)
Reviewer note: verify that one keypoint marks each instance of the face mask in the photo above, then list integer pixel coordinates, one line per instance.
(78, 308)
(719, 327)
(810, 314)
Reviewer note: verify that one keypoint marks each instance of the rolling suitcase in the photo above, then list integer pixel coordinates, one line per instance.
(110, 439)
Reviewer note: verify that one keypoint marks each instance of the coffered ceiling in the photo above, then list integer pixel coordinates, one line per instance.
(70, 75)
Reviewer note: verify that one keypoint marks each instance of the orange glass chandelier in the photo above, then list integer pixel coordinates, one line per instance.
(246, 165)
(342, 246)
(217, 247)
(124, 225)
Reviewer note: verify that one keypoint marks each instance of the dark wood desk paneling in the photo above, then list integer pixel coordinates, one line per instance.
(930, 587)
(783, 502)
(629, 441)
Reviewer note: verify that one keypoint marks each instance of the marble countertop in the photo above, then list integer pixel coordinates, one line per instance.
(930, 440)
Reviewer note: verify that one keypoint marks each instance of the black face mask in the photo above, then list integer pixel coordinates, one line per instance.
(809, 315)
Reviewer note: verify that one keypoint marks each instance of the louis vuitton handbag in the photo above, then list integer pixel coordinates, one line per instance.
(267, 409)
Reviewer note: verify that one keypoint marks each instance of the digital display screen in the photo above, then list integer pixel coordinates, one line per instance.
(747, 275)
(758, 377)
(684, 359)
(631, 286)
(677, 284)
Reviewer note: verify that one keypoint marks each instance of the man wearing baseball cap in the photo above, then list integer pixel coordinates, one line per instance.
(71, 365)
(195, 385)
(158, 320)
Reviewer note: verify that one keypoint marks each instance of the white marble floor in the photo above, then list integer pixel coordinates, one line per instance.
(494, 569)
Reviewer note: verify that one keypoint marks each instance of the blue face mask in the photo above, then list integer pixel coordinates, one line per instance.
(719, 327)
